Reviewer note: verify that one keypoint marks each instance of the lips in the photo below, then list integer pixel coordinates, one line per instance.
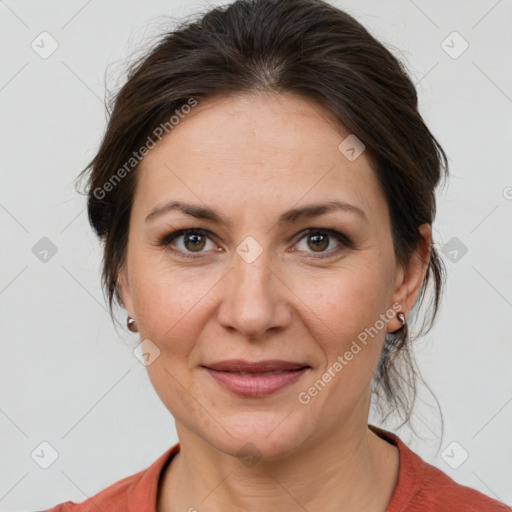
(255, 378)
(239, 365)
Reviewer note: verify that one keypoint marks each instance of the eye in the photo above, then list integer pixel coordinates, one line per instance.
(319, 240)
(188, 241)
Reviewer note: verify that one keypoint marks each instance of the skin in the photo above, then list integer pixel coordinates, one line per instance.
(252, 157)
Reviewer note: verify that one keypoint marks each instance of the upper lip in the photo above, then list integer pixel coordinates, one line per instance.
(239, 365)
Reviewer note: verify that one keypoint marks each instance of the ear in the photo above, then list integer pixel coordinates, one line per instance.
(409, 278)
(124, 288)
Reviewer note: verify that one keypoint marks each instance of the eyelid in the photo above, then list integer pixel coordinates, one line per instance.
(167, 240)
(341, 238)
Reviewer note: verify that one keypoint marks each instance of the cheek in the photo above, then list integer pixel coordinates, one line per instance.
(344, 319)
(345, 303)
(170, 301)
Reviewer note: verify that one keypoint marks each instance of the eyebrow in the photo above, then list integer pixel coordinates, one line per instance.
(288, 217)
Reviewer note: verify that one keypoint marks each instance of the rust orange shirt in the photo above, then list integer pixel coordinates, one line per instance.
(421, 487)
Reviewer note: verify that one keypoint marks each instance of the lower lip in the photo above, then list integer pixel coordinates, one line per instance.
(256, 386)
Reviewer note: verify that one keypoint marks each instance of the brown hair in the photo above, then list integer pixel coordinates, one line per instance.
(306, 47)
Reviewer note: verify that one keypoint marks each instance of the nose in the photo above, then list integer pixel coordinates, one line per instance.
(254, 299)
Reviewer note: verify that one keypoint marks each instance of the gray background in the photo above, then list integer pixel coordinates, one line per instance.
(70, 379)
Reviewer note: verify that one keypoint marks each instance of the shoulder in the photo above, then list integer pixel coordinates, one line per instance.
(442, 493)
(137, 492)
(110, 498)
(422, 487)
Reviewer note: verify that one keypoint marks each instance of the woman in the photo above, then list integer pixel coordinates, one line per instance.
(266, 190)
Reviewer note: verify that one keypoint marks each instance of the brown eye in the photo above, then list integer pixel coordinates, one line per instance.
(187, 242)
(318, 241)
(324, 242)
(194, 242)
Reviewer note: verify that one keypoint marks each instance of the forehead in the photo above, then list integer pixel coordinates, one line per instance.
(253, 149)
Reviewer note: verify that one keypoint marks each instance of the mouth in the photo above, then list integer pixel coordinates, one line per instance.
(256, 379)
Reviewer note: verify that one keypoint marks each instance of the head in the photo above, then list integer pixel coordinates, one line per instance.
(248, 117)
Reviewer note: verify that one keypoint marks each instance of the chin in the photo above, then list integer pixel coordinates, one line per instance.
(262, 437)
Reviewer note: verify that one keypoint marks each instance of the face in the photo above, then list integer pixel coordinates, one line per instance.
(260, 275)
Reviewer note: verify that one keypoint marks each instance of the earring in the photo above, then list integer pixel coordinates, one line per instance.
(401, 317)
(130, 323)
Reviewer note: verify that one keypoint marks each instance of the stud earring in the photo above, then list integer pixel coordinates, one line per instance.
(130, 323)
(401, 317)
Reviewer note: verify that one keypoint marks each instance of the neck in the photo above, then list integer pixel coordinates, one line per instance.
(352, 470)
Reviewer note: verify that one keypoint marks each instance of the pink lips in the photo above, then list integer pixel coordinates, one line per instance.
(255, 379)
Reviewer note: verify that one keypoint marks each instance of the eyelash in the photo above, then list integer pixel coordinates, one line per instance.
(167, 240)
